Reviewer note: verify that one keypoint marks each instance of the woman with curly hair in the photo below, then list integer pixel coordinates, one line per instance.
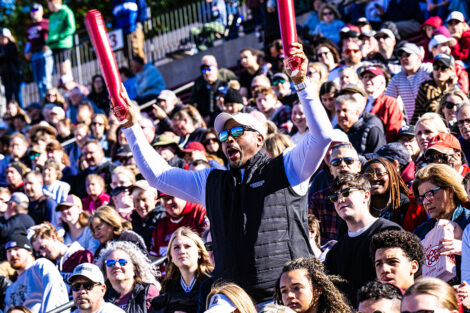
(188, 266)
(305, 287)
(130, 274)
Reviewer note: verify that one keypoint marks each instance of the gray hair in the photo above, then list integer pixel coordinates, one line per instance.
(144, 271)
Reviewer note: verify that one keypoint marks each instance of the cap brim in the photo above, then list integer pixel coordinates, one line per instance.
(435, 147)
(63, 205)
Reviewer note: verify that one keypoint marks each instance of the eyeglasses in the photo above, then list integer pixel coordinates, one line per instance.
(337, 162)
(438, 67)
(463, 122)
(209, 140)
(375, 175)
(235, 132)
(428, 195)
(344, 193)
(279, 81)
(351, 51)
(112, 263)
(34, 155)
(438, 158)
(404, 55)
(86, 285)
(327, 13)
(449, 105)
(453, 22)
(323, 53)
(51, 95)
(378, 37)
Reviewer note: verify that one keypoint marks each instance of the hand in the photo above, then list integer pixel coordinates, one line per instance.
(158, 112)
(463, 292)
(297, 51)
(450, 247)
(131, 115)
(431, 6)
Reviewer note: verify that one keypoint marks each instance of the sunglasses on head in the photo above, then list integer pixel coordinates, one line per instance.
(235, 132)
(278, 81)
(344, 193)
(112, 263)
(337, 162)
(438, 67)
(86, 285)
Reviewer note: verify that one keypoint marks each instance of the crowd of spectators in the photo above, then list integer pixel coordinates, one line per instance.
(265, 191)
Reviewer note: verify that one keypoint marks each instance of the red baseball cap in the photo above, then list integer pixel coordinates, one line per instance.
(445, 141)
(374, 70)
(194, 146)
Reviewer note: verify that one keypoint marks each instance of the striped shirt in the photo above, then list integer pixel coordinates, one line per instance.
(407, 87)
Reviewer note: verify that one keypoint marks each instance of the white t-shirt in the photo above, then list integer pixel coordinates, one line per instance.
(106, 308)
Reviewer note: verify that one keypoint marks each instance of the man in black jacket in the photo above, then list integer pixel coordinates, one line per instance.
(258, 208)
(16, 218)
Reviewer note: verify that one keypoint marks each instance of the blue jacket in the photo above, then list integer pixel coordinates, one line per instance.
(461, 216)
(149, 82)
(127, 13)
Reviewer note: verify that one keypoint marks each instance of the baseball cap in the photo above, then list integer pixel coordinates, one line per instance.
(58, 110)
(220, 303)
(166, 95)
(36, 7)
(385, 31)
(374, 70)
(280, 76)
(352, 88)
(456, 15)
(233, 96)
(118, 190)
(362, 20)
(143, 185)
(66, 78)
(6, 32)
(436, 40)
(445, 59)
(88, 270)
(222, 90)
(19, 198)
(392, 151)
(245, 119)
(194, 146)
(124, 151)
(18, 240)
(409, 47)
(367, 33)
(70, 201)
(445, 141)
(407, 130)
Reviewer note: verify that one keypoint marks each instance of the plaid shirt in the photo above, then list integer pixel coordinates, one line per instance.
(324, 210)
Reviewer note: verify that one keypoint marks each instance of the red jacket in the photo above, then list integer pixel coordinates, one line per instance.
(414, 216)
(461, 50)
(388, 110)
(462, 77)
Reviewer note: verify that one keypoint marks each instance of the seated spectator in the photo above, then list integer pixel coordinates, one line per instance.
(459, 30)
(430, 92)
(251, 69)
(273, 110)
(330, 23)
(430, 294)
(54, 96)
(168, 148)
(187, 127)
(96, 195)
(399, 257)
(214, 147)
(5, 195)
(282, 88)
(184, 276)
(276, 143)
(164, 110)
(146, 211)
(81, 133)
(385, 107)
(318, 72)
(234, 103)
(53, 186)
(122, 201)
(386, 42)
(365, 132)
(329, 91)
(225, 293)
(128, 80)
(328, 54)
(203, 98)
(300, 123)
(148, 80)
(351, 197)
(131, 276)
(48, 244)
(15, 218)
(99, 127)
(377, 296)
(41, 206)
(179, 213)
(39, 285)
(351, 55)
(406, 83)
(122, 176)
(107, 225)
(348, 75)
(428, 126)
(451, 102)
(55, 151)
(15, 172)
(463, 122)
(312, 21)
(196, 151)
(99, 93)
(319, 293)
(446, 149)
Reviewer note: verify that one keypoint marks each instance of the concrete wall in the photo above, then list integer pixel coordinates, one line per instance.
(186, 69)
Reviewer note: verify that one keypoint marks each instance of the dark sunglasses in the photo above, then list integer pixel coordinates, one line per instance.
(428, 195)
(378, 37)
(235, 132)
(337, 162)
(453, 22)
(351, 51)
(463, 122)
(438, 67)
(449, 105)
(327, 13)
(205, 69)
(279, 81)
(438, 158)
(209, 246)
(34, 155)
(86, 285)
(404, 55)
(210, 140)
(323, 53)
(344, 193)
(112, 263)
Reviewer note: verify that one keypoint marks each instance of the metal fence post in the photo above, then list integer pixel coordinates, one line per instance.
(79, 62)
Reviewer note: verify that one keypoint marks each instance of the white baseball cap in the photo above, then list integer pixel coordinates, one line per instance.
(456, 15)
(245, 119)
(88, 270)
(436, 40)
(219, 303)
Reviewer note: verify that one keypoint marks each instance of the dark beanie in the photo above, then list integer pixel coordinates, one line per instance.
(18, 240)
(19, 166)
(233, 96)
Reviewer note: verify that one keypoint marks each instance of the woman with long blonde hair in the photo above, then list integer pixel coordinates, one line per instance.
(231, 294)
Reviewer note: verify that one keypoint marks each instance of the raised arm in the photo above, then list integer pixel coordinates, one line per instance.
(301, 161)
(187, 185)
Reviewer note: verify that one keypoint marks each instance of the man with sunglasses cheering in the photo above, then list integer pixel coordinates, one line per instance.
(351, 198)
(258, 208)
(88, 289)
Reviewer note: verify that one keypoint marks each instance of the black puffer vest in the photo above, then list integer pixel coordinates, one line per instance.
(138, 300)
(257, 224)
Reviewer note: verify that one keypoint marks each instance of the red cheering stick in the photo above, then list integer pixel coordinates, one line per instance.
(99, 37)
(288, 32)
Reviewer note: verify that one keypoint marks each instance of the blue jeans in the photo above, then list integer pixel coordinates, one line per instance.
(42, 64)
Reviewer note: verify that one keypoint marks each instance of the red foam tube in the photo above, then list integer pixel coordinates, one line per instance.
(286, 13)
(99, 37)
